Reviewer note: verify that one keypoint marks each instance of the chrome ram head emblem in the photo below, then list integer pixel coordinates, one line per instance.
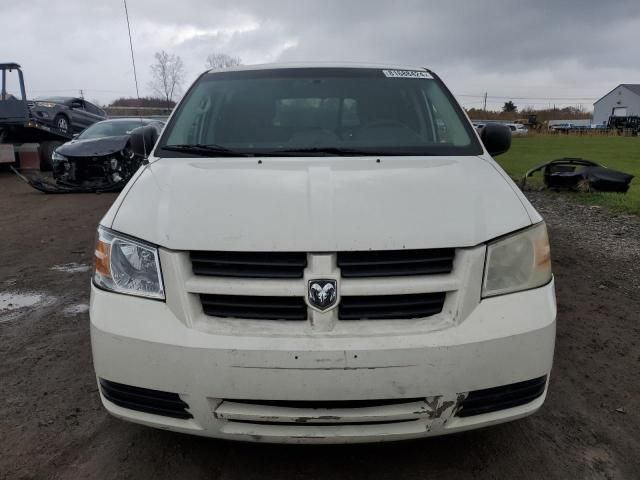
(323, 293)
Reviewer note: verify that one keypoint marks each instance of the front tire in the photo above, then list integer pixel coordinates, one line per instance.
(63, 123)
(46, 151)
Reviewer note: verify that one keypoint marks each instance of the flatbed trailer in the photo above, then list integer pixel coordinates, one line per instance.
(20, 130)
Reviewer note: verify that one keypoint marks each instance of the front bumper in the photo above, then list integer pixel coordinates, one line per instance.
(227, 378)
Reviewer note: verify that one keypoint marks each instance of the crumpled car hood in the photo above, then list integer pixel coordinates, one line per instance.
(95, 147)
(319, 204)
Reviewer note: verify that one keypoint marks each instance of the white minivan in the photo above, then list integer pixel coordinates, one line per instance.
(322, 253)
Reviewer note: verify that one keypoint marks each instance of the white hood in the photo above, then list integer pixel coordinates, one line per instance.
(320, 204)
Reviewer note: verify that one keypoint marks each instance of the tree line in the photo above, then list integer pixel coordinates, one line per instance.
(542, 114)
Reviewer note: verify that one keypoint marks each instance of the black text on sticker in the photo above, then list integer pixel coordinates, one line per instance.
(406, 74)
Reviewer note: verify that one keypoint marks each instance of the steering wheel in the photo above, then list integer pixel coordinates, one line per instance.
(386, 122)
(312, 135)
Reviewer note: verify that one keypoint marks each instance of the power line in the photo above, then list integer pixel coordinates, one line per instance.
(53, 90)
(525, 98)
(489, 102)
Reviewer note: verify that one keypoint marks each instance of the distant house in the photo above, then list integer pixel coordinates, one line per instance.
(622, 101)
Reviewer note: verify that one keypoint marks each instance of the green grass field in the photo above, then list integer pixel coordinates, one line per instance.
(620, 153)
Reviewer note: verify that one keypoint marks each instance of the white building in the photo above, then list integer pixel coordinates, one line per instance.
(622, 101)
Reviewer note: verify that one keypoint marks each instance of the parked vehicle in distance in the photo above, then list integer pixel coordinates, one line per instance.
(630, 123)
(69, 114)
(517, 129)
(561, 127)
(100, 158)
(322, 254)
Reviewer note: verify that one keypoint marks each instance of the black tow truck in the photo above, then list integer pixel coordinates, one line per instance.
(19, 128)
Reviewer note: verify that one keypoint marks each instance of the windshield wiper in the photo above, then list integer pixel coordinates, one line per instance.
(210, 150)
(319, 151)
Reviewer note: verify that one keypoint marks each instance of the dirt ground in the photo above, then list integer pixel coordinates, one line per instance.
(52, 425)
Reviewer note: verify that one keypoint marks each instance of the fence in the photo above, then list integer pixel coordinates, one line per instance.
(584, 132)
(114, 112)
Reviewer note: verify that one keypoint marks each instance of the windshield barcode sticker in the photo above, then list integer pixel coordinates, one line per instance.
(406, 74)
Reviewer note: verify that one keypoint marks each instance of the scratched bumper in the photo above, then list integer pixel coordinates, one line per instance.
(227, 379)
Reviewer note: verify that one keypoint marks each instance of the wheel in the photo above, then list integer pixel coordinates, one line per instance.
(46, 150)
(62, 122)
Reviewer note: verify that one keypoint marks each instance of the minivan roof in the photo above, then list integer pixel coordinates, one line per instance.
(274, 66)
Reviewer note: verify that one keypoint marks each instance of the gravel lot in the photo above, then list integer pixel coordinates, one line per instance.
(52, 424)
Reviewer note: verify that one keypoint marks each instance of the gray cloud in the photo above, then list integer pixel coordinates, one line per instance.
(576, 50)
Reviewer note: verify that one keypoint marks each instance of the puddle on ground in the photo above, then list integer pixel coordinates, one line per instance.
(13, 301)
(76, 309)
(14, 304)
(72, 267)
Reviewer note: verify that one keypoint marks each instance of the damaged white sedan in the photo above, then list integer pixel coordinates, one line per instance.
(322, 254)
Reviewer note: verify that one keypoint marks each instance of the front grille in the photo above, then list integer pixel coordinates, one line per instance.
(145, 400)
(254, 307)
(293, 414)
(380, 307)
(395, 263)
(501, 398)
(298, 423)
(321, 404)
(249, 264)
(88, 168)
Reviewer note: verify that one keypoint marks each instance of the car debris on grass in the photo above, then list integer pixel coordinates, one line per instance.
(580, 175)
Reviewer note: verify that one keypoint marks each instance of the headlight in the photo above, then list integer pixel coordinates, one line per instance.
(128, 266)
(56, 157)
(518, 262)
(45, 104)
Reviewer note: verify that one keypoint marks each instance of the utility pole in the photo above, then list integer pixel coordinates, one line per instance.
(81, 93)
(485, 102)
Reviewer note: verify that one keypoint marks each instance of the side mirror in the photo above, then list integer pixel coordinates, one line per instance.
(143, 139)
(496, 138)
(75, 135)
(76, 105)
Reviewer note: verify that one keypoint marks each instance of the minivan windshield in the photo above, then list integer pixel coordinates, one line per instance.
(318, 111)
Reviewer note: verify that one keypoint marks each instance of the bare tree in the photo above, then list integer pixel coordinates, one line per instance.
(222, 60)
(168, 75)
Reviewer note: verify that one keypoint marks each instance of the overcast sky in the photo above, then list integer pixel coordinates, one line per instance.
(562, 52)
